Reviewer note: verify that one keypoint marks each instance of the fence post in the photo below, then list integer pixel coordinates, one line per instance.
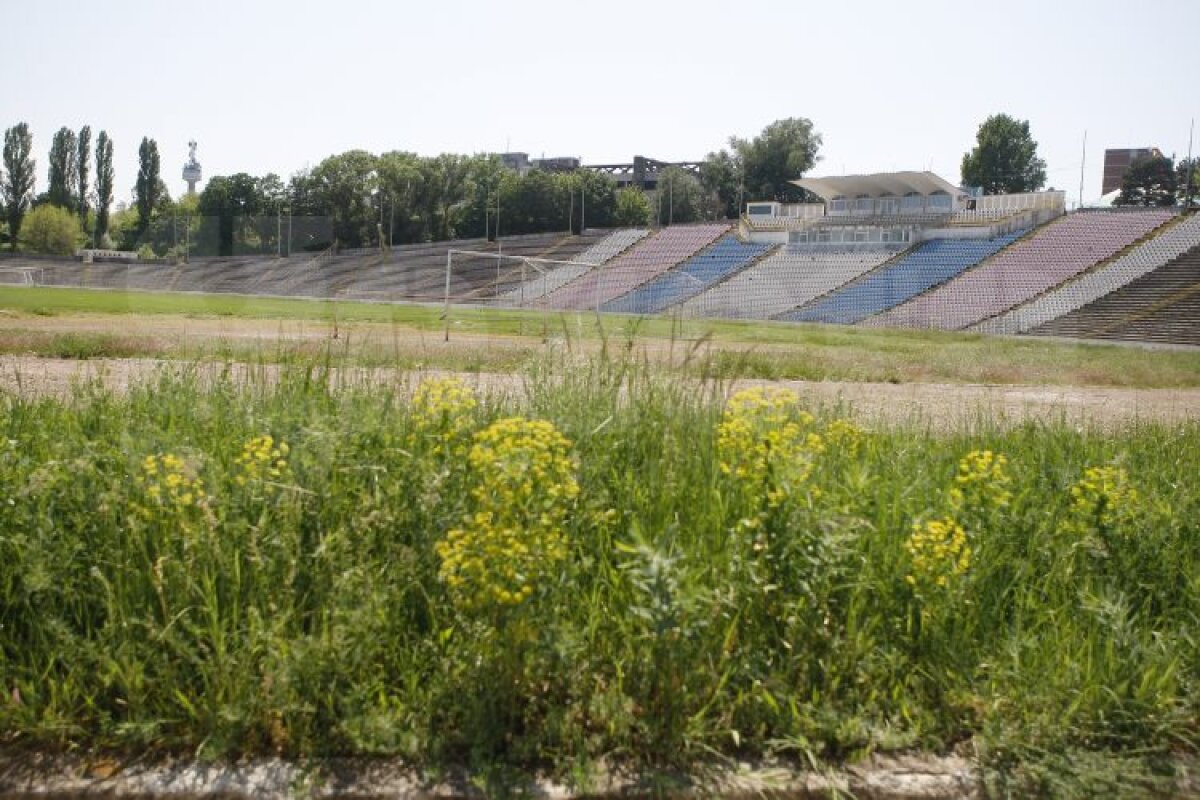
(446, 309)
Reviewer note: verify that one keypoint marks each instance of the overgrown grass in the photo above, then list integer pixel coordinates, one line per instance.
(503, 340)
(732, 582)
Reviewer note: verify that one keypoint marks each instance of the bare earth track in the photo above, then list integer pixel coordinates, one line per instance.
(940, 405)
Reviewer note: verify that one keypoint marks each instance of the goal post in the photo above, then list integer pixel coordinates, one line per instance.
(503, 280)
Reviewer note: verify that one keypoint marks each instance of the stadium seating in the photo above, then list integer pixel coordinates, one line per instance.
(726, 256)
(785, 280)
(1141, 259)
(1160, 306)
(1055, 253)
(928, 265)
(601, 252)
(418, 272)
(648, 259)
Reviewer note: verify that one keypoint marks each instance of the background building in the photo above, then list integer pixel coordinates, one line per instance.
(1116, 162)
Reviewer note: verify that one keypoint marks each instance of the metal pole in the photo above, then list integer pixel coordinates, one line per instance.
(671, 201)
(499, 244)
(741, 187)
(289, 247)
(1191, 173)
(446, 308)
(583, 207)
(1082, 162)
(571, 215)
(279, 231)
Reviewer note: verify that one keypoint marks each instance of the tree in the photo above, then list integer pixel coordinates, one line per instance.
(52, 230)
(681, 198)
(342, 186)
(1187, 181)
(596, 201)
(632, 209)
(240, 205)
(400, 179)
(1005, 159)
(149, 184)
(19, 176)
(1149, 181)
(104, 183)
(82, 159)
(783, 152)
(64, 169)
(720, 174)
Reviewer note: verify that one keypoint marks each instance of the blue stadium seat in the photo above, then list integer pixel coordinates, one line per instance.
(930, 264)
(724, 257)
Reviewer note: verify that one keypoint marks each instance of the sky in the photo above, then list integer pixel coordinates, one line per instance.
(274, 86)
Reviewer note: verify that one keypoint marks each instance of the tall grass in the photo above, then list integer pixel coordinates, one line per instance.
(735, 583)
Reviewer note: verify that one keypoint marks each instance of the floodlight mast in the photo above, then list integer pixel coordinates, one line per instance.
(1191, 175)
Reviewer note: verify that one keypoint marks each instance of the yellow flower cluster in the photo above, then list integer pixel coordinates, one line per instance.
(443, 411)
(168, 483)
(982, 481)
(261, 459)
(844, 437)
(525, 485)
(1101, 500)
(939, 552)
(764, 434)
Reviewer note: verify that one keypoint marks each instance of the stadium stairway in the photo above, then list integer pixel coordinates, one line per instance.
(1160, 306)
(1054, 253)
(784, 280)
(512, 273)
(603, 251)
(719, 260)
(927, 265)
(649, 258)
(1163, 245)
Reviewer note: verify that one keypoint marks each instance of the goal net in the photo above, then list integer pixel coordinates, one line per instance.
(500, 280)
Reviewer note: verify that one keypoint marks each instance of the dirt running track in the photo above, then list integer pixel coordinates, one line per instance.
(939, 405)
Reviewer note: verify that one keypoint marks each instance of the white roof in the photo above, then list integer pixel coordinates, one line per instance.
(879, 184)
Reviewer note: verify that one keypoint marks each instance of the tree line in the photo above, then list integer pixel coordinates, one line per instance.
(374, 200)
(371, 199)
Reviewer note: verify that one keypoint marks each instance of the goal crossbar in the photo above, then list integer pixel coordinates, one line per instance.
(540, 265)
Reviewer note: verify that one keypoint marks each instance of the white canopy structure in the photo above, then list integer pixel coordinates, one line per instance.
(883, 184)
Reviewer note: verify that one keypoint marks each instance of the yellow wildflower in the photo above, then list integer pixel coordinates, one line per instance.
(843, 437)
(939, 552)
(442, 413)
(261, 459)
(982, 482)
(1102, 499)
(764, 443)
(524, 486)
(168, 484)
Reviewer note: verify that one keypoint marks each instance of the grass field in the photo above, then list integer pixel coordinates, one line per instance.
(122, 324)
(616, 567)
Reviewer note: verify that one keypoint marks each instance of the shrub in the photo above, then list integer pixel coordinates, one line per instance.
(51, 230)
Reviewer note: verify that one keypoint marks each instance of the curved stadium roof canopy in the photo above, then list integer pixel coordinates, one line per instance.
(881, 184)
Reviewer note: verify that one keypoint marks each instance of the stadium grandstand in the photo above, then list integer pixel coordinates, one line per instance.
(903, 249)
